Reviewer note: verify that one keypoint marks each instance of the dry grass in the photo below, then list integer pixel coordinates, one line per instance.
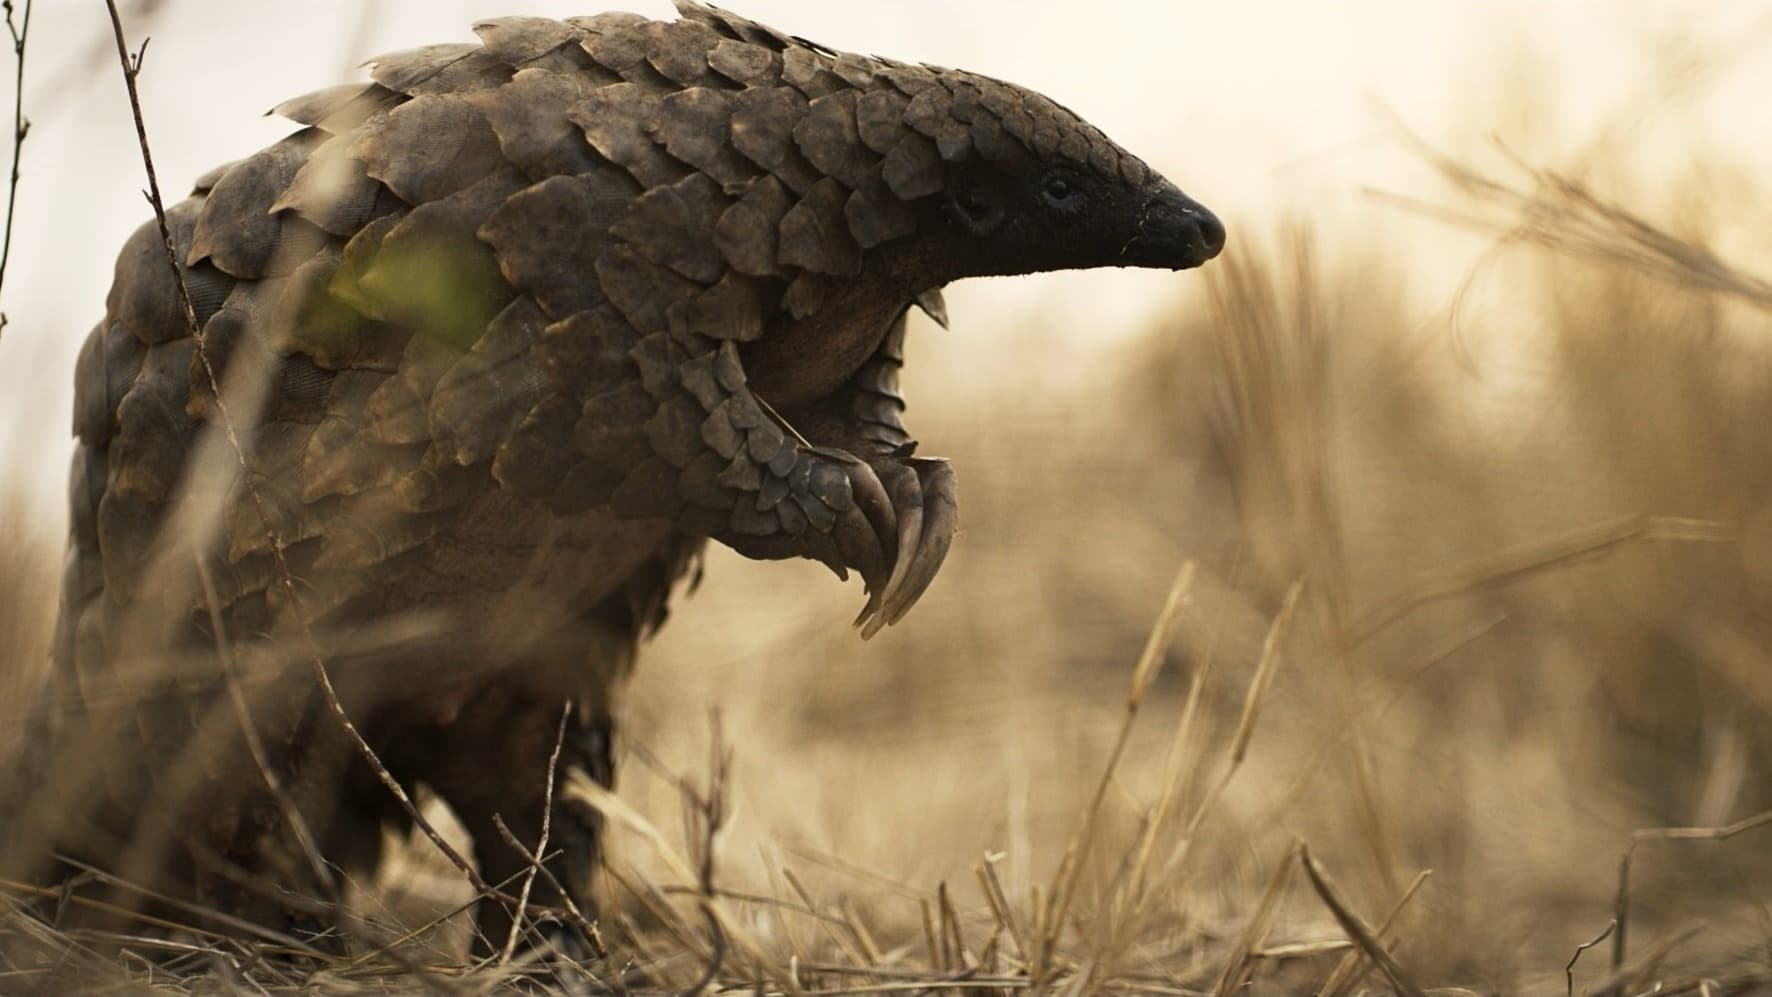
(1289, 650)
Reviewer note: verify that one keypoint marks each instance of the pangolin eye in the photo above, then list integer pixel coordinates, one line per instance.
(1059, 191)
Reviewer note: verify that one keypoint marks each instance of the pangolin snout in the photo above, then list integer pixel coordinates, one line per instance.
(1175, 232)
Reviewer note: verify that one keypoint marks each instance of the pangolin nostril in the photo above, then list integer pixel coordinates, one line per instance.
(1211, 230)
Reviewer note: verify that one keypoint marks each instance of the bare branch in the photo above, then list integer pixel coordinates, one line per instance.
(20, 30)
(1569, 967)
(541, 845)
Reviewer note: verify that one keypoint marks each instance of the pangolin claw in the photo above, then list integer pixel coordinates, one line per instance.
(940, 495)
(907, 502)
(924, 498)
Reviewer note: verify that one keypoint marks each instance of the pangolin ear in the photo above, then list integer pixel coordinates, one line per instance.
(979, 208)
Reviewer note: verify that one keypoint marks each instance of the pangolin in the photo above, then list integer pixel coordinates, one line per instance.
(498, 341)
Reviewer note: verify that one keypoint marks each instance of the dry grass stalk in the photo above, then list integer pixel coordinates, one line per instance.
(1348, 971)
(222, 919)
(1555, 211)
(1236, 967)
(1178, 783)
(957, 955)
(858, 929)
(278, 943)
(1356, 928)
(999, 903)
(1279, 436)
(1271, 646)
(659, 909)
(850, 869)
(1301, 950)
(537, 864)
(789, 926)
(708, 815)
(846, 942)
(1557, 552)
(1134, 893)
(581, 788)
(1070, 868)
(1264, 674)
(937, 951)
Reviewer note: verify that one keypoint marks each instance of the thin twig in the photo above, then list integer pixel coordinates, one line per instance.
(591, 933)
(541, 845)
(1569, 967)
(20, 128)
(298, 825)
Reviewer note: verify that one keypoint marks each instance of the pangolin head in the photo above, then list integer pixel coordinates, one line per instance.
(1030, 186)
(987, 177)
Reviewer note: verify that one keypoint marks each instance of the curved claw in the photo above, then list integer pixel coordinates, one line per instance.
(858, 543)
(871, 498)
(872, 537)
(925, 495)
(893, 521)
(907, 503)
(941, 506)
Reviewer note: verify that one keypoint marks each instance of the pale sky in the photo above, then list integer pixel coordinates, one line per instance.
(1262, 109)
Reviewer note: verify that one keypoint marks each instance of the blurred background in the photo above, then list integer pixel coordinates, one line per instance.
(1487, 368)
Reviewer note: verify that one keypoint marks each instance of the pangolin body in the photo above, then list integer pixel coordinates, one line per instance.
(504, 335)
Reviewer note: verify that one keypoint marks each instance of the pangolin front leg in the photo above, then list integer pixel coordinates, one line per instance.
(835, 480)
(905, 507)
